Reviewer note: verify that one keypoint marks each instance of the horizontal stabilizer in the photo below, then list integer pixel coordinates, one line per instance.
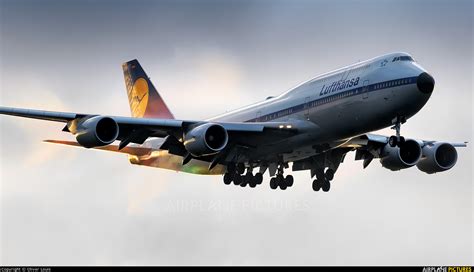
(131, 150)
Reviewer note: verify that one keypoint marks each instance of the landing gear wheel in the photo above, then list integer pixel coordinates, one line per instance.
(244, 182)
(329, 174)
(259, 178)
(237, 179)
(397, 140)
(326, 186)
(289, 180)
(316, 185)
(281, 182)
(393, 141)
(248, 178)
(227, 178)
(273, 183)
(253, 182)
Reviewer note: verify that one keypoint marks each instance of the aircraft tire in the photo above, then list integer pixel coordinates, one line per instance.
(259, 178)
(237, 179)
(227, 178)
(316, 185)
(326, 186)
(253, 182)
(281, 182)
(273, 183)
(392, 141)
(289, 180)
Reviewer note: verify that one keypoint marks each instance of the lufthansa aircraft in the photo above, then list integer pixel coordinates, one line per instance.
(312, 126)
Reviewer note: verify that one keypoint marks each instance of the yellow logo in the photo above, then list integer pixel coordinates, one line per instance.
(139, 97)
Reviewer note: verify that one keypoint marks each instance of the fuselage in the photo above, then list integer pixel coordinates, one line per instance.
(341, 104)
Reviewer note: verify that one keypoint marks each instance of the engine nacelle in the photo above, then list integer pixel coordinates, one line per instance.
(438, 157)
(206, 139)
(395, 158)
(97, 131)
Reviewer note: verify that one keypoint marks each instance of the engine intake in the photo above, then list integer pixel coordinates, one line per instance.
(397, 158)
(438, 157)
(97, 131)
(206, 139)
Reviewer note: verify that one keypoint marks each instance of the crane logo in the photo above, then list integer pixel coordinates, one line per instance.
(139, 97)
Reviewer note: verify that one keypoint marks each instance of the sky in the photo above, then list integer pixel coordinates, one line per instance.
(71, 206)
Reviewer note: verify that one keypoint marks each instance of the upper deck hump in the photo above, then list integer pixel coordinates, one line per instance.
(341, 70)
(287, 94)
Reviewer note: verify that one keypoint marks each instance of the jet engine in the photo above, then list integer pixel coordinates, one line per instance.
(96, 131)
(206, 139)
(397, 158)
(438, 157)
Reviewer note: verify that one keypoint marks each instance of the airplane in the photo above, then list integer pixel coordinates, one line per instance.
(312, 126)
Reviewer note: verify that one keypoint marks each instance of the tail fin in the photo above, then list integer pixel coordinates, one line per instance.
(144, 100)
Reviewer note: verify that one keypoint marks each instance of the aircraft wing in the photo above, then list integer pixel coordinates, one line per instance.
(368, 146)
(137, 130)
(380, 140)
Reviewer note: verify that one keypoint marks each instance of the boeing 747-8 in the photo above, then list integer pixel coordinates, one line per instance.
(312, 126)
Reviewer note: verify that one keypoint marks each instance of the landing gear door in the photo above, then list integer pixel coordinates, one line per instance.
(365, 90)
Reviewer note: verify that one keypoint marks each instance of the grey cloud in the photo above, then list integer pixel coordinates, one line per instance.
(82, 207)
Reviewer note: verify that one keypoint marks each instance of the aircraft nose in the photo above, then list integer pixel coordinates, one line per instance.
(425, 83)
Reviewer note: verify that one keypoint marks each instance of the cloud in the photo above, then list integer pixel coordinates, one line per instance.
(142, 192)
(71, 206)
(36, 94)
(195, 80)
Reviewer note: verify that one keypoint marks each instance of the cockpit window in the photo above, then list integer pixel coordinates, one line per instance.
(403, 58)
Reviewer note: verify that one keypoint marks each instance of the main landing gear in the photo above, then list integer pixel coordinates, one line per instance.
(323, 179)
(280, 180)
(397, 140)
(235, 173)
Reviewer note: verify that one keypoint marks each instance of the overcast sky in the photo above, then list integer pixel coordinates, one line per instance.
(71, 206)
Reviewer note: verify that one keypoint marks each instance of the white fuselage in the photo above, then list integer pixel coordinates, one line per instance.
(344, 103)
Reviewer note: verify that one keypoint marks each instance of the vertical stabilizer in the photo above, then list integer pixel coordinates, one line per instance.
(144, 100)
